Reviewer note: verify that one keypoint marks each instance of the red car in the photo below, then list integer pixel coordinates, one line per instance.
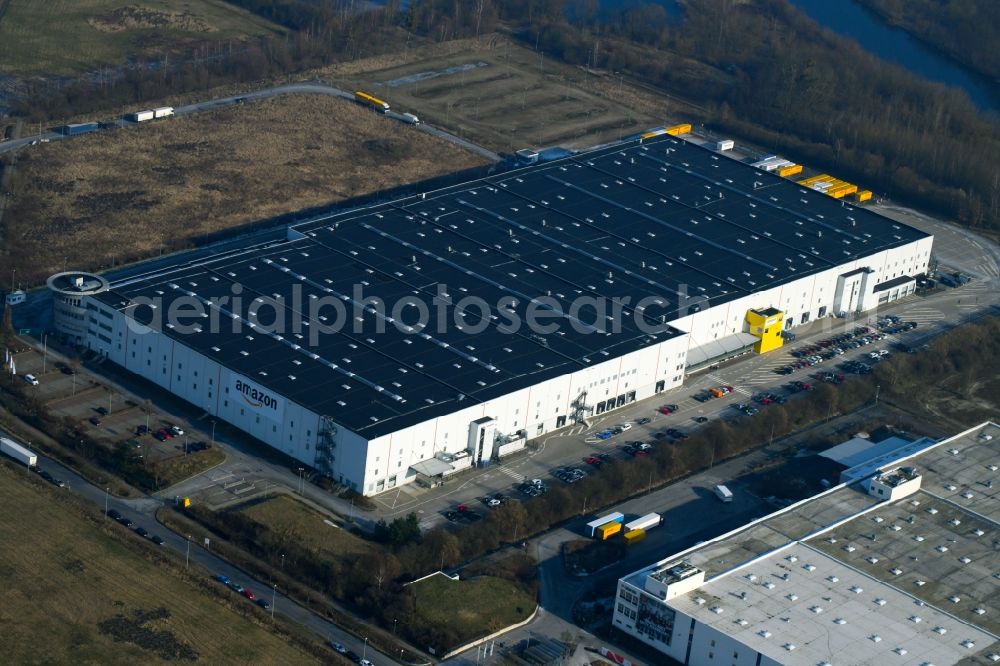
(592, 460)
(248, 593)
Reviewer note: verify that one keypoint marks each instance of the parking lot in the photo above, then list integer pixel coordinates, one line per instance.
(109, 417)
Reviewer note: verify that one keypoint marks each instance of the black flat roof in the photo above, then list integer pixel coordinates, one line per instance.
(664, 219)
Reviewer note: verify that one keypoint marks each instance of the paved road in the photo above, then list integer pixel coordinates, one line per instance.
(315, 88)
(142, 512)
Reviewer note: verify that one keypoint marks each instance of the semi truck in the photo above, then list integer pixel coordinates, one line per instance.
(74, 129)
(724, 494)
(647, 522)
(140, 116)
(594, 525)
(163, 112)
(371, 101)
(410, 119)
(18, 452)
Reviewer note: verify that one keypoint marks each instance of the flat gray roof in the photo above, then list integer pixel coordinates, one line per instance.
(664, 219)
(847, 579)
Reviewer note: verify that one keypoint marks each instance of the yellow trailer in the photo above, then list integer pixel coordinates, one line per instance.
(634, 535)
(837, 192)
(370, 100)
(608, 530)
(822, 178)
(790, 170)
(863, 195)
(677, 130)
(651, 133)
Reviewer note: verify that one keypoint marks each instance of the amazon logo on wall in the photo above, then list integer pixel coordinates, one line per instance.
(261, 400)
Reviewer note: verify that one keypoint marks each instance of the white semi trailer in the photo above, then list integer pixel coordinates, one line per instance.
(18, 452)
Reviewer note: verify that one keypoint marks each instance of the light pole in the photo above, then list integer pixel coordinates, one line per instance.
(282, 561)
(45, 351)
(213, 431)
(364, 652)
(187, 555)
(301, 470)
(394, 621)
(274, 598)
(877, 387)
(106, 491)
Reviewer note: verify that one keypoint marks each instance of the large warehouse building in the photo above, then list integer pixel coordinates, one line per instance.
(636, 263)
(899, 567)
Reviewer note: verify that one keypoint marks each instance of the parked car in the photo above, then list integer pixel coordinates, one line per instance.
(114, 515)
(248, 593)
(95, 421)
(338, 647)
(141, 430)
(223, 579)
(103, 411)
(158, 540)
(263, 603)
(126, 522)
(176, 431)
(701, 419)
(141, 531)
(643, 421)
(31, 379)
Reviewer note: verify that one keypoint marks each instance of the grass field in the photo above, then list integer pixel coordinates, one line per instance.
(468, 609)
(101, 200)
(62, 37)
(65, 586)
(283, 514)
(506, 97)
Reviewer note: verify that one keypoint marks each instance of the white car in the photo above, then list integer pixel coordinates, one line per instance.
(338, 647)
(176, 430)
(626, 426)
(31, 379)
(365, 662)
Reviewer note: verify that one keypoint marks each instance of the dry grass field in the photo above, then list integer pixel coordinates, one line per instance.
(505, 97)
(62, 37)
(108, 198)
(66, 588)
(284, 515)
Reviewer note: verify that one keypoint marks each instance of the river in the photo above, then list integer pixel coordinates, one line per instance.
(850, 19)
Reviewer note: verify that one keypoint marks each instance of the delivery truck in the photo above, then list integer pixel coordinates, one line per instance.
(634, 535)
(595, 524)
(18, 452)
(163, 112)
(607, 530)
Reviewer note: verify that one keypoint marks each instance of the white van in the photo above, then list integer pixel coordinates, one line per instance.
(31, 379)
